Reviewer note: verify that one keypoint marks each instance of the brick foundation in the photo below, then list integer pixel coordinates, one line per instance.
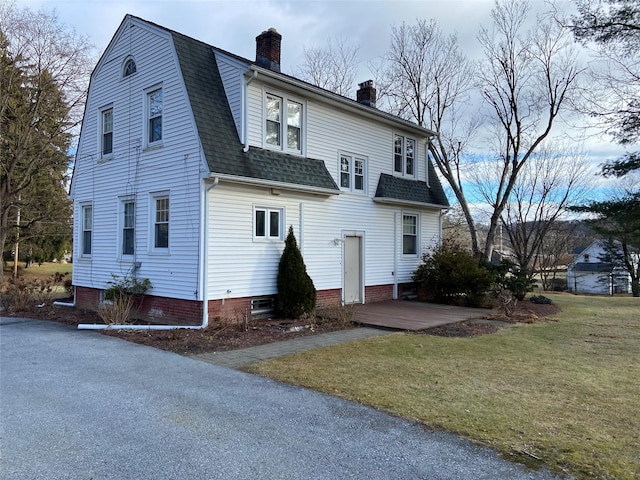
(157, 310)
(174, 311)
(378, 293)
(329, 298)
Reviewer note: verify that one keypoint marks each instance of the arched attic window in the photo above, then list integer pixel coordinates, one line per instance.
(129, 67)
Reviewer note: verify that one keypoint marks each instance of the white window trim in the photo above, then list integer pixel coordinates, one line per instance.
(83, 206)
(153, 197)
(121, 203)
(268, 210)
(283, 147)
(145, 116)
(404, 155)
(101, 111)
(418, 249)
(353, 157)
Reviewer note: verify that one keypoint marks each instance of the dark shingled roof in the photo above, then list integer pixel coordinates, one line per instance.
(411, 191)
(218, 135)
(592, 267)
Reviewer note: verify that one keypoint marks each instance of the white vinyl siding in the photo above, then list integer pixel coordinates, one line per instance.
(140, 170)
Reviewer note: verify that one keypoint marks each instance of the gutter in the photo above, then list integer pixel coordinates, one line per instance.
(204, 281)
(276, 184)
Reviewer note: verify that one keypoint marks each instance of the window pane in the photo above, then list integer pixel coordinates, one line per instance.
(86, 242)
(409, 224)
(345, 178)
(358, 171)
(128, 215)
(410, 234)
(162, 210)
(397, 153)
(273, 108)
(107, 143)
(88, 218)
(410, 156)
(155, 116)
(127, 241)
(294, 111)
(130, 68)
(274, 224)
(155, 129)
(273, 133)
(162, 235)
(293, 138)
(260, 223)
(155, 104)
(409, 245)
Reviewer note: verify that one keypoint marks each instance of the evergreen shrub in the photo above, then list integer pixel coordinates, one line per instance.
(296, 292)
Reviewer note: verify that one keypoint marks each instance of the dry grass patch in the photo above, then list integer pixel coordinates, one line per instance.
(562, 394)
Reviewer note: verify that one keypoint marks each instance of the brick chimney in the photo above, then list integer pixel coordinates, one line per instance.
(366, 94)
(268, 49)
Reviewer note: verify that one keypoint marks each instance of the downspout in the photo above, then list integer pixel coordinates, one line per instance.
(204, 282)
(245, 110)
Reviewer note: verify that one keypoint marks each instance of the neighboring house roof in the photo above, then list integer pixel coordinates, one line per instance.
(393, 189)
(592, 267)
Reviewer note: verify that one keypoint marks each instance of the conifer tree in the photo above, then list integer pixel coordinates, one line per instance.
(296, 292)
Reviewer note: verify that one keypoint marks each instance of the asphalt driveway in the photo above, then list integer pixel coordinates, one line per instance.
(80, 405)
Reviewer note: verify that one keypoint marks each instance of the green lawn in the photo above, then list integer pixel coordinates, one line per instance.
(39, 271)
(565, 393)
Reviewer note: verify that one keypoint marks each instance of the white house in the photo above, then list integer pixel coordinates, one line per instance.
(193, 162)
(589, 273)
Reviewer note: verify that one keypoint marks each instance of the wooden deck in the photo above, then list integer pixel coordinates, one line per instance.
(409, 315)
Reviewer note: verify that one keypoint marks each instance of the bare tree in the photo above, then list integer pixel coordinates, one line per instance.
(554, 253)
(333, 67)
(527, 79)
(45, 71)
(552, 179)
(426, 78)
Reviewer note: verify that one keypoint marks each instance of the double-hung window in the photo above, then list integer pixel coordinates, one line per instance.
(154, 116)
(107, 132)
(87, 229)
(409, 234)
(267, 223)
(404, 155)
(161, 223)
(283, 123)
(128, 227)
(352, 173)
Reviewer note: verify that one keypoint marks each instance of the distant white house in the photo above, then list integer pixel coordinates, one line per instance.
(588, 273)
(193, 162)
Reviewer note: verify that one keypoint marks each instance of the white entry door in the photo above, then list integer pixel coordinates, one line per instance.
(352, 269)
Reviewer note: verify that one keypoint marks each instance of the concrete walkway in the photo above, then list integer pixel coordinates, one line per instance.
(245, 356)
(388, 316)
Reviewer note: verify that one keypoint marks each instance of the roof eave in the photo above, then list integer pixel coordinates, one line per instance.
(274, 184)
(342, 102)
(397, 201)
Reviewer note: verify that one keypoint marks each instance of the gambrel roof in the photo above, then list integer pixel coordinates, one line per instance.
(224, 152)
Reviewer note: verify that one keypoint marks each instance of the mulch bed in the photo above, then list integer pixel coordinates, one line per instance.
(218, 338)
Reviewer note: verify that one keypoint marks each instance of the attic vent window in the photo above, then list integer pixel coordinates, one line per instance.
(130, 68)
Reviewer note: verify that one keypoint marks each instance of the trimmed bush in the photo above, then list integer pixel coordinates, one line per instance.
(451, 274)
(296, 292)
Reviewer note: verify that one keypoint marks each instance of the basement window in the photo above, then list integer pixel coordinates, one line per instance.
(262, 305)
